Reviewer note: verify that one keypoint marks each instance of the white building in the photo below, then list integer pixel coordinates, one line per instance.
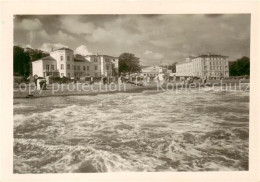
(152, 70)
(62, 62)
(204, 65)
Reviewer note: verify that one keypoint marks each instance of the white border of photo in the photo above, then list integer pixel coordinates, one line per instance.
(10, 8)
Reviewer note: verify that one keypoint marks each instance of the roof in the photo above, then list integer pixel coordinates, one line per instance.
(151, 69)
(79, 58)
(201, 56)
(46, 58)
(145, 67)
(96, 55)
(63, 48)
(210, 55)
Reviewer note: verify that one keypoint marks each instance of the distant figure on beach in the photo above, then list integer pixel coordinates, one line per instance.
(119, 81)
(160, 78)
(148, 79)
(188, 80)
(156, 78)
(191, 80)
(204, 80)
(91, 80)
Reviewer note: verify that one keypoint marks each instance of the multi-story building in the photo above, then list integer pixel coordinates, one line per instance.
(62, 62)
(204, 65)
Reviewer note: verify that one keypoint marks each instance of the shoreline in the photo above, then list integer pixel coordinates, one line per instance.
(129, 88)
(48, 92)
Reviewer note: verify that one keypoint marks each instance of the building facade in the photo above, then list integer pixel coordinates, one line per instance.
(152, 70)
(204, 65)
(63, 63)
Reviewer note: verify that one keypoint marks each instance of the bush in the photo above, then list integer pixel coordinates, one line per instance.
(56, 80)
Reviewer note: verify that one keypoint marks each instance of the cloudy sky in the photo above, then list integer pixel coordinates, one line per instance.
(154, 39)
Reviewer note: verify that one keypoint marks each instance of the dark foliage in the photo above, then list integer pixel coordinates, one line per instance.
(22, 59)
(128, 63)
(240, 67)
(171, 67)
(21, 62)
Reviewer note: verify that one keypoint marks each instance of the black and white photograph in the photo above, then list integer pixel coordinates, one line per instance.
(131, 93)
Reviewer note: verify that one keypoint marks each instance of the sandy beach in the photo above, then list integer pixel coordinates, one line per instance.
(55, 90)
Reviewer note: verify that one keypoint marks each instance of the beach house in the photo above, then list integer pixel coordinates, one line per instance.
(64, 63)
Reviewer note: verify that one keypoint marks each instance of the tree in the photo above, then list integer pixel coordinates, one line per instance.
(172, 67)
(128, 63)
(21, 62)
(240, 67)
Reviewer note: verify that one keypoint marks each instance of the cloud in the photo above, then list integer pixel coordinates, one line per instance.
(62, 36)
(148, 52)
(213, 15)
(28, 46)
(58, 36)
(122, 31)
(47, 47)
(153, 55)
(73, 24)
(42, 35)
(166, 38)
(82, 50)
(29, 24)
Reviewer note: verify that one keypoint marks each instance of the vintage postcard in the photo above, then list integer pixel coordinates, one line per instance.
(121, 92)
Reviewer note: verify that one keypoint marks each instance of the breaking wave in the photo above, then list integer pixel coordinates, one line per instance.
(149, 131)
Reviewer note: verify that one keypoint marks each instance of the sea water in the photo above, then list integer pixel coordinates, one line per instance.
(148, 131)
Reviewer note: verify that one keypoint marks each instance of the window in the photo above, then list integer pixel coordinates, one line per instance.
(106, 60)
(87, 67)
(68, 74)
(74, 67)
(61, 58)
(78, 67)
(87, 74)
(52, 67)
(96, 67)
(62, 74)
(47, 67)
(68, 58)
(68, 66)
(84, 68)
(62, 66)
(107, 67)
(96, 74)
(95, 59)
